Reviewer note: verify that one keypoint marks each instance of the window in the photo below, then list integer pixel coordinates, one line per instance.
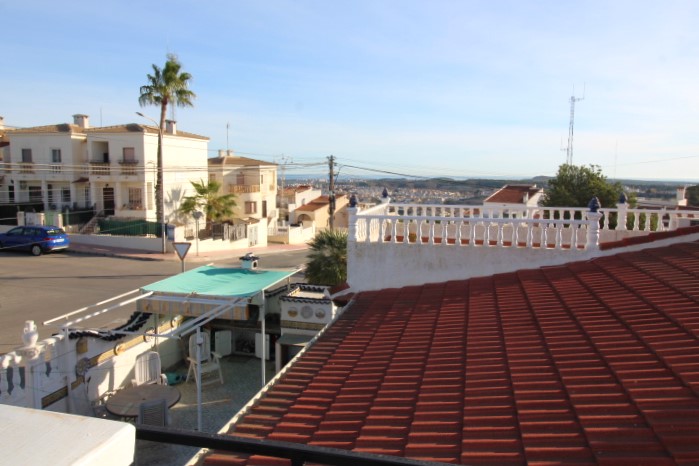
(135, 198)
(65, 195)
(35, 194)
(26, 155)
(86, 195)
(56, 155)
(240, 178)
(49, 189)
(250, 207)
(129, 155)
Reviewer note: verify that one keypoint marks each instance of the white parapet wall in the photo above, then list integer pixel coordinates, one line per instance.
(391, 246)
(32, 436)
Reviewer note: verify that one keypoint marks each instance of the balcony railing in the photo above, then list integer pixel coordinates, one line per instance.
(26, 167)
(243, 188)
(297, 453)
(99, 168)
(532, 227)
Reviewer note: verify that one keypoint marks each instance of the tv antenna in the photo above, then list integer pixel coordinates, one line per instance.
(569, 149)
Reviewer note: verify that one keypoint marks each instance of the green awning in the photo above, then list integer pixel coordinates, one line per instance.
(219, 282)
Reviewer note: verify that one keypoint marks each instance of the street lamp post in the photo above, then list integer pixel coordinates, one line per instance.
(159, 189)
(197, 215)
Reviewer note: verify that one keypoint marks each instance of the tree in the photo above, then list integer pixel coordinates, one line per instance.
(692, 195)
(327, 258)
(165, 86)
(574, 186)
(207, 199)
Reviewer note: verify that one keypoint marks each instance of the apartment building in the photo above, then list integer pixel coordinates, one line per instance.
(109, 169)
(254, 183)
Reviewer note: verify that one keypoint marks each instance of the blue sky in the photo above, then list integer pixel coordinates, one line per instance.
(438, 88)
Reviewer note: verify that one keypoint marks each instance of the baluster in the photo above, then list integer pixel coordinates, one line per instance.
(394, 230)
(559, 236)
(672, 225)
(636, 220)
(472, 232)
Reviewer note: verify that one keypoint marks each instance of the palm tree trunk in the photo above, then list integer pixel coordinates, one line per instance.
(159, 186)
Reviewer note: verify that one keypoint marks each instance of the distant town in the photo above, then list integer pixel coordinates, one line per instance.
(471, 191)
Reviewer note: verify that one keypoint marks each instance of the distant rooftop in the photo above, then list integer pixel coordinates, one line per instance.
(514, 194)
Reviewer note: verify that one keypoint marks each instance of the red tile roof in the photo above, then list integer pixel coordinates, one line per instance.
(239, 161)
(319, 202)
(513, 194)
(593, 362)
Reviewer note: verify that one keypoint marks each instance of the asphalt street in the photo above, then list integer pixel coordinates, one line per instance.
(44, 287)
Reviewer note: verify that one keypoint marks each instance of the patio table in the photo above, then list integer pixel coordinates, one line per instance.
(125, 402)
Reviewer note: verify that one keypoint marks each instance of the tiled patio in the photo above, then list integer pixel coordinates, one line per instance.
(242, 376)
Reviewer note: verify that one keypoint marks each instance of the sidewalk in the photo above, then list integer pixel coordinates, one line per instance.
(209, 256)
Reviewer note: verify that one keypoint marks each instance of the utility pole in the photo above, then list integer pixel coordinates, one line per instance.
(282, 198)
(331, 189)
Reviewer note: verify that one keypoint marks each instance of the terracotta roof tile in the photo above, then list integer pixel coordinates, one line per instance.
(592, 362)
(513, 194)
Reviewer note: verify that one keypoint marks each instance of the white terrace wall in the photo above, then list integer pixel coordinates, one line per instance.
(70, 375)
(391, 246)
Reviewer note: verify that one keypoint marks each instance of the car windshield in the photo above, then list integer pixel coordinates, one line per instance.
(55, 232)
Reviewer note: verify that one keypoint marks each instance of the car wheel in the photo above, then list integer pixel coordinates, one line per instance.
(36, 250)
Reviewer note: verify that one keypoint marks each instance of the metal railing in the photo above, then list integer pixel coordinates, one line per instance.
(298, 454)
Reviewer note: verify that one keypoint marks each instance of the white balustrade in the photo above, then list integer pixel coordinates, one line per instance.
(530, 227)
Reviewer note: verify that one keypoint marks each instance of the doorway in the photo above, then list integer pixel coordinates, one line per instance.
(108, 201)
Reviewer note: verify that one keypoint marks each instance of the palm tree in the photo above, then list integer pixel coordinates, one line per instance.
(327, 258)
(207, 199)
(165, 86)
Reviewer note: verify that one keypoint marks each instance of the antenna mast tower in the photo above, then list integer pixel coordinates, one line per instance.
(569, 149)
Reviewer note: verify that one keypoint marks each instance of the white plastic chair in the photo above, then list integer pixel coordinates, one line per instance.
(210, 360)
(153, 413)
(148, 370)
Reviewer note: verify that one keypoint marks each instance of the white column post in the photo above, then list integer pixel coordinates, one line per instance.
(593, 219)
(30, 353)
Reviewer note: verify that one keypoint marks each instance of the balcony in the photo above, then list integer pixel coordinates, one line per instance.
(26, 167)
(243, 188)
(128, 162)
(99, 168)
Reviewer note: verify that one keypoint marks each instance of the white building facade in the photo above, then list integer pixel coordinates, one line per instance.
(109, 169)
(254, 183)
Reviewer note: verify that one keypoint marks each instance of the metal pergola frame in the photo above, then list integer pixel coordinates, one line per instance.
(194, 324)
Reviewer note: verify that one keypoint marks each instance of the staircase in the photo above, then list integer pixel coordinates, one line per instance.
(89, 227)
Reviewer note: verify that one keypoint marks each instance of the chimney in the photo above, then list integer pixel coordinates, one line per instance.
(171, 126)
(2, 122)
(681, 193)
(81, 120)
(249, 261)
(525, 198)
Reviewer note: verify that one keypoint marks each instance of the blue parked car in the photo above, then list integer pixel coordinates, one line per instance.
(35, 239)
